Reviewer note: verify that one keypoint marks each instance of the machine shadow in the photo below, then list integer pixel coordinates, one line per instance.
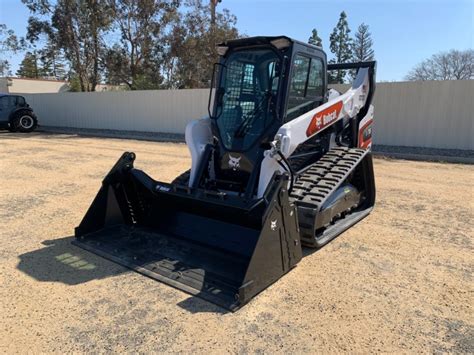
(309, 251)
(60, 261)
(195, 304)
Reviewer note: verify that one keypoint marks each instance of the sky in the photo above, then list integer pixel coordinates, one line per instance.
(404, 32)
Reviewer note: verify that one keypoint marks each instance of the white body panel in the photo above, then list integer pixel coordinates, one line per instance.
(332, 94)
(198, 134)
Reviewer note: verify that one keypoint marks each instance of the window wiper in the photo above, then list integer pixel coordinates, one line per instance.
(251, 117)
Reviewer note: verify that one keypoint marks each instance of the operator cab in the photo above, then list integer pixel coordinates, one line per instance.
(259, 84)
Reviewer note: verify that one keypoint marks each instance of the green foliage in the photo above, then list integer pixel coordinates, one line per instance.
(315, 39)
(144, 44)
(29, 66)
(77, 29)
(9, 43)
(74, 84)
(362, 45)
(341, 47)
(46, 63)
(5, 68)
(52, 63)
(192, 42)
(166, 46)
(142, 25)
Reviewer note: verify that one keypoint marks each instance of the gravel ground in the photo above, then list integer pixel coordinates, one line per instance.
(410, 153)
(401, 280)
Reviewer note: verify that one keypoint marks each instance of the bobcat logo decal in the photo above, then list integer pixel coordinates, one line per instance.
(319, 122)
(234, 162)
(273, 225)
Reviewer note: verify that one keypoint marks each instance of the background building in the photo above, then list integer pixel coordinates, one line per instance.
(14, 85)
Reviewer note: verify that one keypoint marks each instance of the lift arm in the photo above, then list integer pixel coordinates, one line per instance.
(355, 101)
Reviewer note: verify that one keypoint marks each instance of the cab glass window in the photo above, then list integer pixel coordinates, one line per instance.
(248, 94)
(315, 80)
(306, 86)
(298, 82)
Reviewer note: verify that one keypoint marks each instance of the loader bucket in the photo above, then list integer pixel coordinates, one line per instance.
(212, 245)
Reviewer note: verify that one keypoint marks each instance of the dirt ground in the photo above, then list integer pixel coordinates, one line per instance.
(401, 280)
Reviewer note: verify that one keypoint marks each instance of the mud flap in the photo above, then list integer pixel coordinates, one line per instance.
(212, 245)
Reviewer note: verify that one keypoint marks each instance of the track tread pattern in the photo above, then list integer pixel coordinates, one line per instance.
(318, 182)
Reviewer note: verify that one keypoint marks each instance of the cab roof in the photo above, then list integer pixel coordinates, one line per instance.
(261, 40)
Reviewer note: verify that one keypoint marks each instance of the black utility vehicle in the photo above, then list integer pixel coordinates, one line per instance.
(16, 115)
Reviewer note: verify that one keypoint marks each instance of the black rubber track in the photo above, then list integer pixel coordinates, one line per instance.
(314, 186)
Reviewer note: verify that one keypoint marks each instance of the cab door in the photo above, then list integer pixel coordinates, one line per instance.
(305, 93)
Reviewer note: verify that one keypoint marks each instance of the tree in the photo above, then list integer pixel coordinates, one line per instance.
(315, 39)
(45, 63)
(213, 7)
(29, 66)
(362, 44)
(9, 43)
(52, 63)
(77, 28)
(452, 65)
(142, 25)
(192, 51)
(341, 46)
(5, 68)
(74, 84)
(146, 44)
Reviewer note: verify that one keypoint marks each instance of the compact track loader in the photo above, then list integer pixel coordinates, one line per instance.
(280, 162)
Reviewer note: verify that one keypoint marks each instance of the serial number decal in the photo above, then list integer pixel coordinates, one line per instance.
(324, 118)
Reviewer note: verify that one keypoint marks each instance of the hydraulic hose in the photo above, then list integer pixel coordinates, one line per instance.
(287, 168)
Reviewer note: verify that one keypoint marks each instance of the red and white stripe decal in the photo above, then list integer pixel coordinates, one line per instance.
(324, 118)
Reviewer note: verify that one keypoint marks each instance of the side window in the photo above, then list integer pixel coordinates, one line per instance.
(20, 101)
(272, 77)
(315, 82)
(12, 101)
(298, 82)
(306, 86)
(4, 102)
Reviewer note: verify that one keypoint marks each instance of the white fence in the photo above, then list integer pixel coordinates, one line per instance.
(437, 114)
(166, 111)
